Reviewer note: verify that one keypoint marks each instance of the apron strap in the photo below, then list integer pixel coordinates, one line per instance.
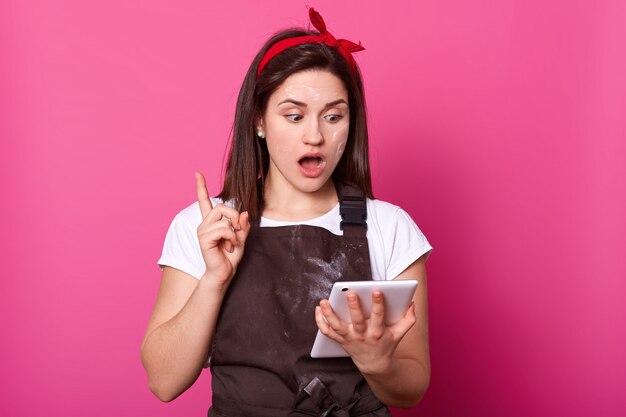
(353, 211)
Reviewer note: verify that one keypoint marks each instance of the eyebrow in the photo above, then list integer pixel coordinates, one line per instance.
(300, 103)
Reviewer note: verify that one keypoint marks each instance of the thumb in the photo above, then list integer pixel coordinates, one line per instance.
(407, 321)
(242, 233)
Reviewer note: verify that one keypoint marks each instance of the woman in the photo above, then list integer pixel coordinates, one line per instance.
(243, 272)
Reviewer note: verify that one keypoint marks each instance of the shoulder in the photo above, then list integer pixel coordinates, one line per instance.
(384, 215)
(394, 237)
(191, 214)
(381, 207)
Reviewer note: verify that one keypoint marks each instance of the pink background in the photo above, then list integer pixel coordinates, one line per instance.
(499, 126)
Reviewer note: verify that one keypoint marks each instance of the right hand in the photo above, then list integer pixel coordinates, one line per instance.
(222, 235)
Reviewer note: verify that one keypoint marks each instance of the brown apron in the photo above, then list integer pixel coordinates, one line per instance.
(261, 364)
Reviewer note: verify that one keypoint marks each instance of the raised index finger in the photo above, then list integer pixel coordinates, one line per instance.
(203, 195)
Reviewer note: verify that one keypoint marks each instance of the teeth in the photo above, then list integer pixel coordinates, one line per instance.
(319, 162)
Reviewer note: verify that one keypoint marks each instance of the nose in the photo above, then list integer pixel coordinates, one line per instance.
(313, 135)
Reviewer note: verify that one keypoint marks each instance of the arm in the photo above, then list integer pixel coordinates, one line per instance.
(182, 324)
(394, 360)
(180, 332)
(404, 381)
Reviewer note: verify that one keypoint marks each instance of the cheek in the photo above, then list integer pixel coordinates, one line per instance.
(277, 139)
(340, 149)
(277, 149)
(339, 138)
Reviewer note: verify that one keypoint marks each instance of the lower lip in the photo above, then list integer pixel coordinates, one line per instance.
(313, 172)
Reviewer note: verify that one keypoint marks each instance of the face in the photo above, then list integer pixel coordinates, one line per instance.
(306, 127)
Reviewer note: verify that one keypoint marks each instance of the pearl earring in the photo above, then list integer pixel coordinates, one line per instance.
(260, 134)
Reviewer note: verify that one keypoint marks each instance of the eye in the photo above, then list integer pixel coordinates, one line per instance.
(333, 118)
(294, 117)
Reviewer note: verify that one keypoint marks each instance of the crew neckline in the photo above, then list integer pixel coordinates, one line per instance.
(332, 211)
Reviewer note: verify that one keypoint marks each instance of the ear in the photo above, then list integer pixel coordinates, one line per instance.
(259, 128)
(258, 124)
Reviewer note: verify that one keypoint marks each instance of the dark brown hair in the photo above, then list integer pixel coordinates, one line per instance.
(248, 158)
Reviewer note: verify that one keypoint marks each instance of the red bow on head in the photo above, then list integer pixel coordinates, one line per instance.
(344, 46)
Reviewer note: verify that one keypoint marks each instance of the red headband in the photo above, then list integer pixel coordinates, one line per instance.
(345, 47)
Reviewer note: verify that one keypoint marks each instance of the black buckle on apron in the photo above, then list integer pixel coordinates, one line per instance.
(316, 400)
(353, 211)
(316, 393)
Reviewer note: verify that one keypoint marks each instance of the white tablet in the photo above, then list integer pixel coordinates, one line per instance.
(397, 296)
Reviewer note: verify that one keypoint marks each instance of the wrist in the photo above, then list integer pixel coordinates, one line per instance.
(379, 368)
(214, 283)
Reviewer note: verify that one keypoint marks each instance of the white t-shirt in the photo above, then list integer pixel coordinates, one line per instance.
(394, 240)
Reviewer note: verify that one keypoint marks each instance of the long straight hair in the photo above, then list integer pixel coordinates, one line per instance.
(248, 158)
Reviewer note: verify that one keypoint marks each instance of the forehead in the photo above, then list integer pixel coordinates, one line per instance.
(310, 86)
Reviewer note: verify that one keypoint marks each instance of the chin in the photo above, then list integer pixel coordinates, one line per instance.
(312, 185)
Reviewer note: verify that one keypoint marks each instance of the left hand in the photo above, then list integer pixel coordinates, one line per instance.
(370, 343)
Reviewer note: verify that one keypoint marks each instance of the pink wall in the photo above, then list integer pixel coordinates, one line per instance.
(499, 127)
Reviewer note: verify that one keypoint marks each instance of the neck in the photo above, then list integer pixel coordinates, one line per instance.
(285, 203)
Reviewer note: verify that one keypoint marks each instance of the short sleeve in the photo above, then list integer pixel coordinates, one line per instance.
(407, 244)
(181, 249)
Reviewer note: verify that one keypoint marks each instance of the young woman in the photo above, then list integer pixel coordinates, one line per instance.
(246, 273)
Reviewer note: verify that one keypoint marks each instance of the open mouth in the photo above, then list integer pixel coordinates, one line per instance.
(311, 162)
